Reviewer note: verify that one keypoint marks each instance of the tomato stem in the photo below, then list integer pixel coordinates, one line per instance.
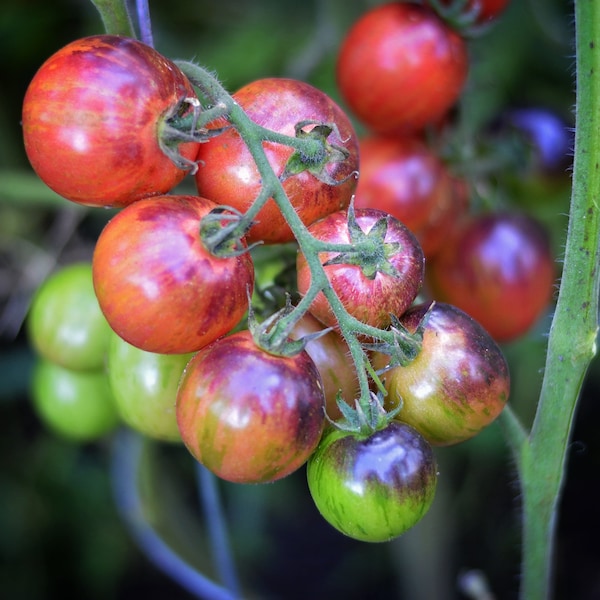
(115, 17)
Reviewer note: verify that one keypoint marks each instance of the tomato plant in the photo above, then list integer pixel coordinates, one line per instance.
(474, 12)
(77, 405)
(458, 383)
(400, 67)
(499, 268)
(373, 283)
(144, 387)
(247, 415)
(65, 324)
(94, 121)
(375, 488)
(160, 289)
(324, 184)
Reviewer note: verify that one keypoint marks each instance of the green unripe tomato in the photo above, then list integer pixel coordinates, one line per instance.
(65, 324)
(77, 405)
(144, 385)
(373, 489)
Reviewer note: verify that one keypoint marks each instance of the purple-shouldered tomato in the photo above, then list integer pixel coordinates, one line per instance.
(457, 384)
(94, 117)
(401, 67)
(228, 174)
(369, 297)
(159, 288)
(247, 415)
(373, 488)
(499, 268)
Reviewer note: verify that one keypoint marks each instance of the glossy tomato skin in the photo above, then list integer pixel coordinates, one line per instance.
(331, 355)
(499, 268)
(77, 405)
(369, 300)
(403, 176)
(228, 175)
(247, 415)
(92, 117)
(458, 383)
(400, 68)
(65, 324)
(144, 386)
(373, 489)
(159, 288)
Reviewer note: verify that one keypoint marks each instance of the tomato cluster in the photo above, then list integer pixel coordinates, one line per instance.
(356, 372)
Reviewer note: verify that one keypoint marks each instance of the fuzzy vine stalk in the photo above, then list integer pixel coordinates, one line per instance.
(541, 454)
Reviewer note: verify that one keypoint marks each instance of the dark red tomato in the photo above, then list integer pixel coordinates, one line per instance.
(373, 489)
(158, 286)
(332, 356)
(247, 415)
(93, 117)
(228, 174)
(405, 178)
(499, 268)
(368, 299)
(458, 383)
(400, 67)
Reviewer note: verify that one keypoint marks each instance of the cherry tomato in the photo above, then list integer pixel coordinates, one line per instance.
(229, 176)
(144, 386)
(77, 405)
(369, 299)
(65, 324)
(158, 286)
(331, 355)
(405, 178)
(93, 119)
(247, 415)
(400, 67)
(458, 383)
(376, 488)
(499, 268)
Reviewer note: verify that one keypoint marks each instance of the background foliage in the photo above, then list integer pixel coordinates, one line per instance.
(59, 528)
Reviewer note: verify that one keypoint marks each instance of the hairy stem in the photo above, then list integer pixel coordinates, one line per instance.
(572, 341)
(115, 17)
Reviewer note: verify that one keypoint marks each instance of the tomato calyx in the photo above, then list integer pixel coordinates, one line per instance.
(316, 156)
(368, 250)
(366, 417)
(222, 232)
(463, 16)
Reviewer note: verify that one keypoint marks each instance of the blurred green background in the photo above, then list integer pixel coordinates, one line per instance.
(60, 534)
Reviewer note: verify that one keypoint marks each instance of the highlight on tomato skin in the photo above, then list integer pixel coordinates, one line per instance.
(373, 488)
(92, 125)
(247, 415)
(459, 382)
(499, 268)
(158, 286)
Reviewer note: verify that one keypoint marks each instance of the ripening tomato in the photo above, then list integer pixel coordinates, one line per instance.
(373, 489)
(228, 174)
(77, 405)
(94, 117)
(247, 415)
(401, 67)
(367, 293)
(159, 288)
(144, 386)
(332, 356)
(458, 383)
(65, 324)
(404, 177)
(499, 268)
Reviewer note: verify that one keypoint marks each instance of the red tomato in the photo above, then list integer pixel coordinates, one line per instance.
(498, 268)
(458, 383)
(403, 177)
(400, 67)
(228, 174)
(93, 117)
(368, 299)
(158, 286)
(247, 415)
